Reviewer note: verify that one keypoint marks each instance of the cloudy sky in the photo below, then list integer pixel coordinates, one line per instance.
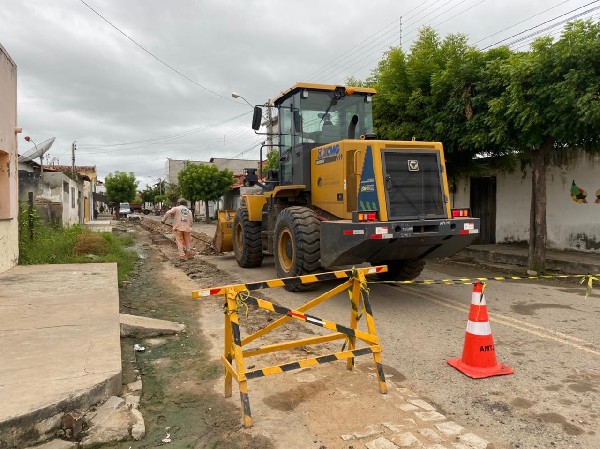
(135, 82)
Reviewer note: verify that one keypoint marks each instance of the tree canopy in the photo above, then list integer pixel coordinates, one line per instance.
(121, 187)
(527, 105)
(204, 182)
(548, 102)
(439, 91)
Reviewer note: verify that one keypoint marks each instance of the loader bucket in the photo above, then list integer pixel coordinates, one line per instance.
(223, 240)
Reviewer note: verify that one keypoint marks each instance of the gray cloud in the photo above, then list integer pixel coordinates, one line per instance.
(80, 79)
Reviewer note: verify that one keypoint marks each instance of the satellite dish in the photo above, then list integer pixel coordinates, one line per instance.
(37, 151)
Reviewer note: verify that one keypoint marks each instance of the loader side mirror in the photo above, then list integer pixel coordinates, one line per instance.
(256, 118)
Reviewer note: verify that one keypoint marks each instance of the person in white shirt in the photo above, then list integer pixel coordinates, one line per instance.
(182, 226)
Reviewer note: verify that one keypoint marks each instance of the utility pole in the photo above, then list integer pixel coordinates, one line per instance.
(400, 32)
(73, 148)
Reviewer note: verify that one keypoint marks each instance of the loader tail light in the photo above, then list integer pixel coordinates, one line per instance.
(367, 216)
(364, 216)
(461, 213)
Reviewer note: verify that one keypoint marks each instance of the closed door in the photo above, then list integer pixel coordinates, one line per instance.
(483, 206)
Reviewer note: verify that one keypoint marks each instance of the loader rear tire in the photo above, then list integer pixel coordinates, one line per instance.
(402, 270)
(297, 248)
(247, 240)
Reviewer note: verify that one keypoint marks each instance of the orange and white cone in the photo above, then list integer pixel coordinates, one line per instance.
(479, 354)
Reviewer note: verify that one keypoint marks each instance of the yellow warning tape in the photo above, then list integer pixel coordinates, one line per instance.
(587, 279)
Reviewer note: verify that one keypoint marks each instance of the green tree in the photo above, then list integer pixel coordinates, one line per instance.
(121, 187)
(166, 202)
(148, 194)
(204, 183)
(272, 161)
(172, 192)
(437, 92)
(550, 102)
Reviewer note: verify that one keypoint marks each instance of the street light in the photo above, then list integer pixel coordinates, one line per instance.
(236, 95)
(29, 139)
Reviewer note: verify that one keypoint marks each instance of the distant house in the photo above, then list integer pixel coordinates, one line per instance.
(9, 207)
(237, 166)
(100, 198)
(56, 194)
(231, 199)
(89, 178)
(502, 200)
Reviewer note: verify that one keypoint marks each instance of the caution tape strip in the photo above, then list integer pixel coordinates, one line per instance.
(289, 282)
(587, 279)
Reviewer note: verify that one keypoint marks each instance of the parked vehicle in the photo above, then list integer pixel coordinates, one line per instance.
(124, 209)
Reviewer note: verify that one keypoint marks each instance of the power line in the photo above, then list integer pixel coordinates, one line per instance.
(522, 21)
(162, 139)
(156, 57)
(372, 37)
(543, 23)
(414, 26)
(462, 12)
(531, 37)
(450, 18)
(386, 44)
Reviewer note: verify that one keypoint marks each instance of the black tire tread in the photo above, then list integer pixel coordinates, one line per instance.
(251, 254)
(306, 228)
(402, 270)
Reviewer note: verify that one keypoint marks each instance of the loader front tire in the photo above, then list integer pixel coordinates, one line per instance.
(297, 248)
(402, 270)
(247, 240)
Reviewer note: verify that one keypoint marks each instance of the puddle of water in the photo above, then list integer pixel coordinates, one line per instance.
(530, 309)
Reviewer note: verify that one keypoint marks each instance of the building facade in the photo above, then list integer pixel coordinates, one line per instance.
(503, 202)
(237, 166)
(55, 197)
(9, 207)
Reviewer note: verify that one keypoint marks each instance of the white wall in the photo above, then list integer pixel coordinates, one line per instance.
(9, 211)
(571, 225)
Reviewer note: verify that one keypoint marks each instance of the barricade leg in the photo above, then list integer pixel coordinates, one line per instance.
(227, 354)
(361, 280)
(239, 358)
(354, 300)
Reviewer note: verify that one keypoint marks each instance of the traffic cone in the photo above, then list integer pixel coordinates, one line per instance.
(479, 354)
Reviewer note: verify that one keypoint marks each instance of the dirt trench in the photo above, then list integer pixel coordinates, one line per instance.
(320, 407)
(178, 373)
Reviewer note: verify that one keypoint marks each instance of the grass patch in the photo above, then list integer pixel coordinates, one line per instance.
(50, 243)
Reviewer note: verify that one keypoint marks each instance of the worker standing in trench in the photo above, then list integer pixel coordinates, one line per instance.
(182, 226)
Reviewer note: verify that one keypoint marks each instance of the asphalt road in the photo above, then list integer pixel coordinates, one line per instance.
(546, 331)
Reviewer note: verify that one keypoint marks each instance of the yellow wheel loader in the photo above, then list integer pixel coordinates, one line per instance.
(341, 196)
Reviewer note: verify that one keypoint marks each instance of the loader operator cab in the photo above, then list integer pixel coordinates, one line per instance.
(314, 115)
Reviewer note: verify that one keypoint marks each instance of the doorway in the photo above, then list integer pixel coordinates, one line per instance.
(483, 206)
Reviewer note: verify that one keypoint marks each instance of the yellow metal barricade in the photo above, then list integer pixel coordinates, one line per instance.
(240, 295)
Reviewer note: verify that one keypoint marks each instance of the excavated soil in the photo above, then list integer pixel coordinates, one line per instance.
(178, 373)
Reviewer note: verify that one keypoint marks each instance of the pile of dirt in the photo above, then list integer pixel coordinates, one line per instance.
(201, 242)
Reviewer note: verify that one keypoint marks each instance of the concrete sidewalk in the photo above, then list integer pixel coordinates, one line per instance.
(567, 262)
(59, 345)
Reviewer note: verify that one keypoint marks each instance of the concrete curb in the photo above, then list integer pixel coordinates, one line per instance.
(143, 327)
(567, 266)
(60, 346)
(19, 430)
